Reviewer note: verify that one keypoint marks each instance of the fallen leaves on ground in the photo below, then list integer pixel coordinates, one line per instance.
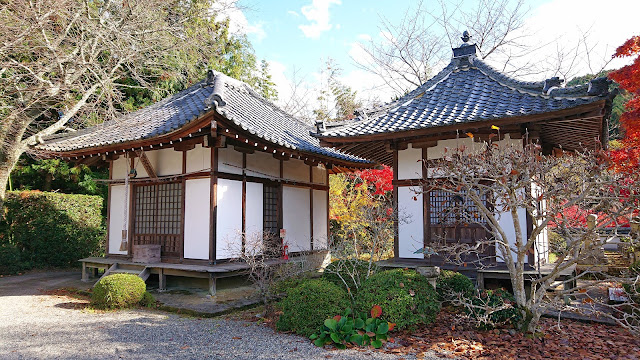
(566, 339)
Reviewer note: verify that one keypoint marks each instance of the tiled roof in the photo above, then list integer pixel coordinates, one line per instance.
(465, 91)
(232, 99)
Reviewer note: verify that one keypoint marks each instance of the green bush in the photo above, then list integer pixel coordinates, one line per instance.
(502, 309)
(147, 300)
(118, 291)
(306, 306)
(406, 297)
(451, 284)
(43, 230)
(347, 273)
(634, 269)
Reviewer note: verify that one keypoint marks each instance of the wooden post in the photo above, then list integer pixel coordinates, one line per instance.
(85, 272)
(311, 206)
(162, 280)
(212, 284)
(396, 233)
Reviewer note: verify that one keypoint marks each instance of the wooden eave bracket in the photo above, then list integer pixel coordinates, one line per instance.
(147, 164)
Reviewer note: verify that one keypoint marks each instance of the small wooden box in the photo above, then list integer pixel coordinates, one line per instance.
(146, 253)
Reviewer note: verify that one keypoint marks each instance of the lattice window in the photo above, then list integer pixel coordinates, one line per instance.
(270, 210)
(158, 216)
(449, 209)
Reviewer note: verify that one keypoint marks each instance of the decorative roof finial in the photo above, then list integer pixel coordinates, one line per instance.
(465, 36)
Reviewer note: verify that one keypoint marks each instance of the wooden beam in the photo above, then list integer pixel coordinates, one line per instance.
(147, 164)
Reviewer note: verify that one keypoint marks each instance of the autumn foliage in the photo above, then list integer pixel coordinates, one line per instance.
(627, 157)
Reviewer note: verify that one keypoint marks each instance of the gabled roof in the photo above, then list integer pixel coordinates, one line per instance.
(236, 101)
(465, 91)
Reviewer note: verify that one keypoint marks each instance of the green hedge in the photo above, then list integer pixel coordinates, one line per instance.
(308, 305)
(406, 297)
(42, 230)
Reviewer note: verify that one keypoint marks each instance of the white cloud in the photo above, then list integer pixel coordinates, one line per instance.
(293, 13)
(238, 23)
(318, 13)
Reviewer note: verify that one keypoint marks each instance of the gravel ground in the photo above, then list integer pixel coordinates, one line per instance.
(38, 326)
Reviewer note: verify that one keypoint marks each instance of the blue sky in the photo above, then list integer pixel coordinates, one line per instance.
(302, 34)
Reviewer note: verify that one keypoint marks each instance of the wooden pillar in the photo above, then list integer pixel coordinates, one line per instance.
(85, 272)
(162, 280)
(396, 248)
(244, 201)
(426, 209)
(184, 203)
(109, 207)
(311, 206)
(212, 284)
(213, 205)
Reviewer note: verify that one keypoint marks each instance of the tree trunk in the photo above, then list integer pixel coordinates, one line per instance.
(8, 161)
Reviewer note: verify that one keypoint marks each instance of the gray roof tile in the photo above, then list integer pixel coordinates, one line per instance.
(233, 99)
(462, 94)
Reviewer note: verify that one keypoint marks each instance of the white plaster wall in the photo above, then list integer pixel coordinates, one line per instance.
(254, 221)
(295, 169)
(264, 164)
(320, 235)
(296, 218)
(116, 218)
(167, 162)
(542, 240)
(319, 175)
(229, 160)
(229, 219)
(410, 163)
(445, 147)
(410, 227)
(506, 223)
(197, 217)
(120, 168)
(198, 159)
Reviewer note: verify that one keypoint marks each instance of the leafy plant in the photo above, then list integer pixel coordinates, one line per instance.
(452, 285)
(358, 330)
(406, 297)
(307, 306)
(494, 308)
(118, 291)
(148, 300)
(349, 273)
(41, 230)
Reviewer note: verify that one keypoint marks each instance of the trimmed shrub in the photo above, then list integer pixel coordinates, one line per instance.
(306, 306)
(45, 230)
(351, 270)
(450, 285)
(406, 297)
(495, 308)
(118, 291)
(147, 300)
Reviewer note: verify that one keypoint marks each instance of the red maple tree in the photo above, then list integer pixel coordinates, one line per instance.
(627, 157)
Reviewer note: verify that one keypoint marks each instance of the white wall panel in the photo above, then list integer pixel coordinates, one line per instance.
(167, 162)
(410, 163)
(255, 219)
(116, 218)
(506, 223)
(319, 175)
(264, 164)
(229, 160)
(229, 219)
(198, 158)
(197, 217)
(410, 229)
(319, 219)
(296, 217)
(295, 169)
(120, 168)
